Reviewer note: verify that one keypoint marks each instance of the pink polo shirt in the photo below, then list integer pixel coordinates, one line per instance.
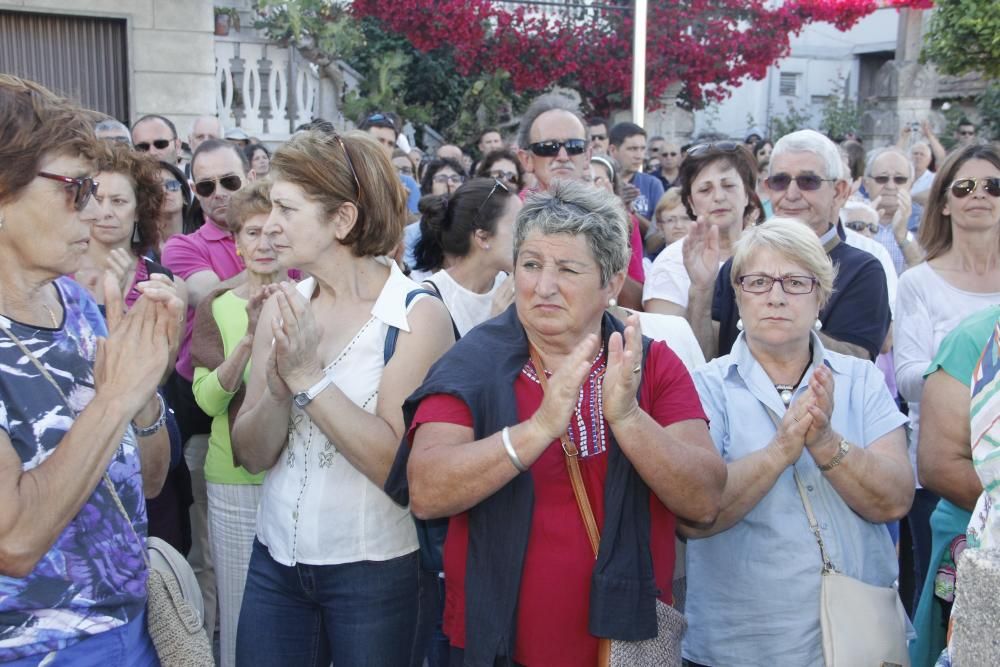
(210, 248)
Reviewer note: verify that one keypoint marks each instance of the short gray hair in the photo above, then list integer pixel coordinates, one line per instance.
(794, 241)
(543, 104)
(888, 150)
(571, 207)
(810, 141)
(858, 205)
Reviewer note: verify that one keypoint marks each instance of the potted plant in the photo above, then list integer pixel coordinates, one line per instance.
(226, 18)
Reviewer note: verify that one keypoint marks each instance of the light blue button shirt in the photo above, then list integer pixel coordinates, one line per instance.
(754, 589)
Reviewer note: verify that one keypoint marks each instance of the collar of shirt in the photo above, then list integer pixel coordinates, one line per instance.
(212, 231)
(390, 306)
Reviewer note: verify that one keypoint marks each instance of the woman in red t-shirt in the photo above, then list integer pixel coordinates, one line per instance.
(489, 427)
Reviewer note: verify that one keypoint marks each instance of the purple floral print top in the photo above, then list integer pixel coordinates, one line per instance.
(93, 579)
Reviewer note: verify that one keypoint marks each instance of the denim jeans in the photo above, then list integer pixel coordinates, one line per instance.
(125, 646)
(432, 644)
(362, 613)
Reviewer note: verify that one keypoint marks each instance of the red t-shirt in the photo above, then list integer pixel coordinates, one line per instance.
(553, 602)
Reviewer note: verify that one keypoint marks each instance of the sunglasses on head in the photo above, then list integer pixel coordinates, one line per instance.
(723, 146)
(172, 185)
(159, 144)
(206, 188)
(805, 182)
(381, 118)
(82, 189)
(964, 187)
(551, 147)
(861, 225)
(497, 185)
(898, 180)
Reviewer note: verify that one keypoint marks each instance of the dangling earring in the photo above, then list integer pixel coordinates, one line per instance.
(739, 324)
(136, 235)
(817, 325)
(238, 253)
(612, 302)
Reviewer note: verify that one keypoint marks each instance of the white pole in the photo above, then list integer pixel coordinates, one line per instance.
(639, 64)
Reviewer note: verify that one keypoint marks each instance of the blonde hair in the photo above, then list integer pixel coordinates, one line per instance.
(670, 199)
(794, 241)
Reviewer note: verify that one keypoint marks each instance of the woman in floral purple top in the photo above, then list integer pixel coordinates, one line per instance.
(79, 413)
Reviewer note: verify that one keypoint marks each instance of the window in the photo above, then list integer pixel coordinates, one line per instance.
(788, 85)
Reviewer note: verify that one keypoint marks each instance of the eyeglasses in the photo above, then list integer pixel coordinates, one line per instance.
(82, 188)
(724, 146)
(898, 180)
(967, 133)
(497, 185)
(381, 118)
(159, 144)
(964, 187)
(350, 162)
(805, 182)
(861, 226)
(454, 179)
(598, 137)
(206, 188)
(551, 147)
(406, 171)
(760, 283)
(500, 175)
(172, 185)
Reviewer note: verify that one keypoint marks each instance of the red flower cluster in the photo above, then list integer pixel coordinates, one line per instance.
(707, 45)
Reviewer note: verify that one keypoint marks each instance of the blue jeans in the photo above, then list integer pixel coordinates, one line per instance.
(432, 643)
(125, 646)
(362, 613)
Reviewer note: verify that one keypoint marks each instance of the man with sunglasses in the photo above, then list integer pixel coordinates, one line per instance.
(669, 155)
(553, 141)
(598, 130)
(157, 135)
(888, 177)
(965, 133)
(805, 182)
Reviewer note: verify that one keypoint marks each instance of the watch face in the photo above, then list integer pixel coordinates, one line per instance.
(301, 399)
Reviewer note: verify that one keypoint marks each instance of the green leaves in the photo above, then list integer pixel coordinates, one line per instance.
(964, 36)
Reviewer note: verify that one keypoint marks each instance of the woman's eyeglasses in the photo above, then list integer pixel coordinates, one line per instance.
(759, 283)
(82, 189)
(551, 147)
(862, 226)
(454, 179)
(159, 144)
(964, 187)
(501, 175)
(172, 185)
(206, 188)
(898, 180)
(805, 182)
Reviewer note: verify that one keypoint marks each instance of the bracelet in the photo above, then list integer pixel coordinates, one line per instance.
(509, 448)
(838, 457)
(143, 432)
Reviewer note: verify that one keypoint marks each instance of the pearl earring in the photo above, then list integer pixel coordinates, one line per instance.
(739, 324)
(817, 325)
(612, 302)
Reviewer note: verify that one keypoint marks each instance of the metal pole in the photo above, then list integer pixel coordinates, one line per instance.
(639, 64)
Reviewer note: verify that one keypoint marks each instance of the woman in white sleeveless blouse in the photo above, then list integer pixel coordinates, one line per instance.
(333, 575)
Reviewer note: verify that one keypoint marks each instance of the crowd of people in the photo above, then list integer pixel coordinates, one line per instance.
(553, 398)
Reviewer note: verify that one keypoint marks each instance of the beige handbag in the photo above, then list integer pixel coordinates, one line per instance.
(663, 650)
(862, 624)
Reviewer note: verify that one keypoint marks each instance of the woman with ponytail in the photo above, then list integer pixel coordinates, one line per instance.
(467, 241)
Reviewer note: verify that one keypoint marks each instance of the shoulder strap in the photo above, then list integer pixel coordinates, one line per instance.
(392, 335)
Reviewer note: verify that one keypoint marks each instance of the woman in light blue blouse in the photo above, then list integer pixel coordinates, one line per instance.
(754, 575)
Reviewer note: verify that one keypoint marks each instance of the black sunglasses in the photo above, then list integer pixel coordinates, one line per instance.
(964, 187)
(82, 188)
(860, 226)
(598, 137)
(159, 144)
(551, 147)
(806, 182)
(206, 188)
(898, 180)
(497, 184)
(350, 162)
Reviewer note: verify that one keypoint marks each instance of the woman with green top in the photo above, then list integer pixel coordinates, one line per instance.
(223, 337)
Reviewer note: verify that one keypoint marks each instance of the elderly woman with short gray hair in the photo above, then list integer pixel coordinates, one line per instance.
(786, 411)
(554, 432)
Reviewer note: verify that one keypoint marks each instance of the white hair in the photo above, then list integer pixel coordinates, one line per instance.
(810, 141)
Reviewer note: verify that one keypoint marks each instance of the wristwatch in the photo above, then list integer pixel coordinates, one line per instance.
(304, 398)
(835, 461)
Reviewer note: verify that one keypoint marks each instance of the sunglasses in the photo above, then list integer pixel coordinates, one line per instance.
(861, 226)
(723, 146)
(551, 147)
(497, 185)
(964, 187)
(159, 144)
(598, 137)
(381, 118)
(407, 171)
(82, 189)
(172, 185)
(455, 179)
(805, 182)
(898, 180)
(501, 175)
(206, 188)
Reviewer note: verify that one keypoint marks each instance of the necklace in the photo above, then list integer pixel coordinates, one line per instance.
(52, 316)
(785, 390)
